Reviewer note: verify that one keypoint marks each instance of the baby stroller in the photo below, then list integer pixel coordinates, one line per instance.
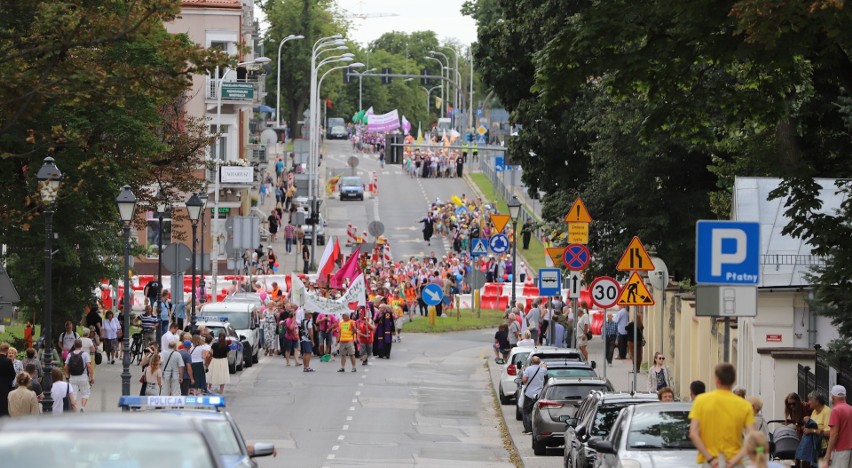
(783, 441)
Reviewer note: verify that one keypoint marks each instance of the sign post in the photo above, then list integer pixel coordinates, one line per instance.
(635, 259)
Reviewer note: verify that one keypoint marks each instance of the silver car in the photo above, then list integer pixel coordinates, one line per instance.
(559, 400)
(648, 435)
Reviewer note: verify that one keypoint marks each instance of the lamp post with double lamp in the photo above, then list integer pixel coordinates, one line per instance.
(514, 211)
(162, 204)
(214, 226)
(360, 85)
(456, 76)
(429, 95)
(126, 203)
(443, 95)
(193, 208)
(203, 196)
(278, 89)
(49, 179)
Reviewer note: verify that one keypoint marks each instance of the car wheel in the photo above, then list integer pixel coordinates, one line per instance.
(256, 358)
(247, 361)
(232, 368)
(539, 447)
(518, 415)
(503, 398)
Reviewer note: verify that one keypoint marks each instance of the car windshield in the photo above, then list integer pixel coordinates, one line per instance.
(572, 392)
(519, 358)
(238, 320)
(214, 330)
(573, 357)
(224, 440)
(351, 182)
(126, 448)
(604, 418)
(657, 431)
(571, 372)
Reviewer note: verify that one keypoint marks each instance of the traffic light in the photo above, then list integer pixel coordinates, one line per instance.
(425, 81)
(386, 79)
(347, 75)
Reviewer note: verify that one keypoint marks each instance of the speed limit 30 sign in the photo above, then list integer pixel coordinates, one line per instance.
(605, 292)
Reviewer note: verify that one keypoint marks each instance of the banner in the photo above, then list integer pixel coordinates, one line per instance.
(384, 122)
(312, 302)
(406, 125)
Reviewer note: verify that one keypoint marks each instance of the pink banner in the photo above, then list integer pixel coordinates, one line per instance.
(384, 122)
(406, 125)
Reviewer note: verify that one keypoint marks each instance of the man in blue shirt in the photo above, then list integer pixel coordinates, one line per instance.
(621, 320)
(610, 337)
(533, 381)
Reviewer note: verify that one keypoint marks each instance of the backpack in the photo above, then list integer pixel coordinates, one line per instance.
(76, 366)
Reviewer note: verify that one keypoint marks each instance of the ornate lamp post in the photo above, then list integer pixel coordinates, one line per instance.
(126, 203)
(194, 207)
(514, 211)
(49, 179)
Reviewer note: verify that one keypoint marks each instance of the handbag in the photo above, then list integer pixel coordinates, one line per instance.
(98, 358)
(66, 402)
(588, 335)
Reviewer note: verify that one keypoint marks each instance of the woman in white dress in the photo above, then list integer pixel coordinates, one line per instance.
(218, 374)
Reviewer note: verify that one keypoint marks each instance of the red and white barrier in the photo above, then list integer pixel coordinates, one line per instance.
(374, 183)
(351, 235)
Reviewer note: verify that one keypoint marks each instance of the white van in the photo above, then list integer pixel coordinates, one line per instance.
(245, 318)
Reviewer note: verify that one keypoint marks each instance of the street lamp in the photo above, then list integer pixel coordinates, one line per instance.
(360, 88)
(126, 203)
(203, 196)
(193, 207)
(514, 211)
(162, 204)
(277, 93)
(214, 226)
(49, 179)
(429, 95)
(443, 98)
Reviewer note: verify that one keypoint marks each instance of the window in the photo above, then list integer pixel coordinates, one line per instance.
(604, 419)
(219, 148)
(572, 392)
(663, 430)
(154, 235)
(225, 441)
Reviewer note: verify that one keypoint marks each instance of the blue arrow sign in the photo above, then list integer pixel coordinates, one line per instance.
(433, 294)
(477, 247)
(499, 164)
(550, 281)
(499, 243)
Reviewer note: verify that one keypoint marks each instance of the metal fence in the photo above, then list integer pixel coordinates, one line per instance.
(507, 183)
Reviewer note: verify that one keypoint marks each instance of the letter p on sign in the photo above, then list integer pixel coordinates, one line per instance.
(727, 252)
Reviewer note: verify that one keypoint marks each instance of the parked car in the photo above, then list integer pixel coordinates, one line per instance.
(559, 399)
(510, 372)
(594, 420)
(236, 359)
(243, 313)
(561, 367)
(337, 132)
(648, 435)
(351, 187)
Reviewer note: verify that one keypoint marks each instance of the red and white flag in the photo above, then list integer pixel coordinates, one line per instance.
(329, 258)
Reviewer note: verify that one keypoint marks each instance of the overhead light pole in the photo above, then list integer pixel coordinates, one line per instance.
(49, 179)
(193, 208)
(162, 203)
(514, 211)
(360, 85)
(441, 112)
(126, 203)
(214, 226)
(278, 89)
(428, 95)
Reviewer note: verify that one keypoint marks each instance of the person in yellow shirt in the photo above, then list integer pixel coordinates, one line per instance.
(718, 419)
(346, 329)
(816, 431)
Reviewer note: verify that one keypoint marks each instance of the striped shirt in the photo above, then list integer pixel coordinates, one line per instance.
(290, 231)
(149, 322)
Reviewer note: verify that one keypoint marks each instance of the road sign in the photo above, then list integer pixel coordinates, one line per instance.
(432, 294)
(8, 293)
(578, 213)
(499, 221)
(727, 252)
(555, 255)
(481, 130)
(376, 228)
(635, 293)
(605, 292)
(578, 233)
(635, 257)
(725, 301)
(575, 283)
(499, 163)
(576, 257)
(477, 247)
(476, 279)
(353, 161)
(550, 281)
(499, 243)
(177, 258)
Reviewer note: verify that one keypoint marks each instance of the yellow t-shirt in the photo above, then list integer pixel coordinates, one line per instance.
(722, 418)
(822, 421)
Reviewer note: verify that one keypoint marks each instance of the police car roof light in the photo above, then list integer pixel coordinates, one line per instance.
(160, 401)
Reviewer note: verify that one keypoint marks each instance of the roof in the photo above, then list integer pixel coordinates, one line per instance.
(229, 4)
(107, 422)
(575, 381)
(229, 306)
(624, 396)
(785, 260)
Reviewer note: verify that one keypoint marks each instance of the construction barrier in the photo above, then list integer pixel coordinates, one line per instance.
(351, 235)
(374, 183)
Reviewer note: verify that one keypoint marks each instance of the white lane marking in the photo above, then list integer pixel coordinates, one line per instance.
(346, 427)
(330, 457)
(348, 418)
(363, 376)
(335, 448)
(351, 408)
(358, 393)
(354, 400)
(340, 437)
(360, 384)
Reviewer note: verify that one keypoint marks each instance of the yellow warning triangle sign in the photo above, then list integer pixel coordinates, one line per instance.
(578, 213)
(635, 257)
(555, 254)
(635, 293)
(499, 221)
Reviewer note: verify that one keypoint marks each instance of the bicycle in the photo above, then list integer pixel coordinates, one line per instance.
(136, 348)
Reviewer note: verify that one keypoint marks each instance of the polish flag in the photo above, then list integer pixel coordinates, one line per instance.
(330, 257)
(349, 270)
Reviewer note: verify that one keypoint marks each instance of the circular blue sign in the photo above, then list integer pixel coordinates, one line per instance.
(499, 243)
(432, 294)
(576, 257)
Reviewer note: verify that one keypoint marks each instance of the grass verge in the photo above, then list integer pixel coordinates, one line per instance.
(535, 254)
(508, 443)
(467, 320)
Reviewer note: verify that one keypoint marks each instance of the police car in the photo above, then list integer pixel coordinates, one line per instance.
(236, 361)
(218, 426)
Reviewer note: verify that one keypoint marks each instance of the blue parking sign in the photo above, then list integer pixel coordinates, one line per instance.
(727, 252)
(499, 164)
